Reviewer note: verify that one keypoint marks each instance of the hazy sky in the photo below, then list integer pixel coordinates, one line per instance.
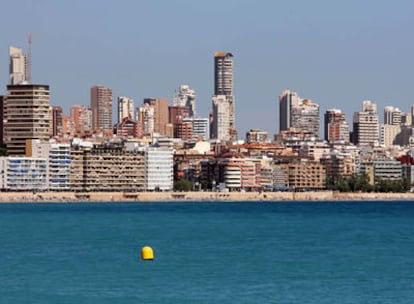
(336, 53)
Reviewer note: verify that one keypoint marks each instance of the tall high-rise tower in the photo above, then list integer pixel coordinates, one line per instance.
(287, 100)
(125, 108)
(18, 66)
(223, 128)
(186, 97)
(101, 106)
(160, 106)
(336, 127)
(298, 113)
(366, 125)
(27, 116)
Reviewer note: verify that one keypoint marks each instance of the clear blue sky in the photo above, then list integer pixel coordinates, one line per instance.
(336, 53)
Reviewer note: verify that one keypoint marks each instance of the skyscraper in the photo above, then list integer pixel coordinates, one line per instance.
(223, 128)
(160, 106)
(186, 97)
(392, 116)
(366, 125)
(336, 127)
(221, 118)
(82, 118)
(57, 126)
(101, 106)
(18, 66)
(305, 116)
(125, 108)
(296, 112)
(286, 100)
(27, 116)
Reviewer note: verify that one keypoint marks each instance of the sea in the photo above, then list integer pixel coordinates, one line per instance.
(207, 252)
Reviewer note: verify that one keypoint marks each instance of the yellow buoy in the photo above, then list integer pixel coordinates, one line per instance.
(147, 253)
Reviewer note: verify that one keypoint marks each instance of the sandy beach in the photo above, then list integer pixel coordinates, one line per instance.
(29, 197)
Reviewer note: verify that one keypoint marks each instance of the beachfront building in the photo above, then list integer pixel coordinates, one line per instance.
(305, 175)
(232, 173)
(159, 168)
(58, 160)
(387, 169)
(108, 168)
(23, 174)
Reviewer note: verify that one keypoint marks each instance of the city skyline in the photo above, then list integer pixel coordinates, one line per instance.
(337, 55)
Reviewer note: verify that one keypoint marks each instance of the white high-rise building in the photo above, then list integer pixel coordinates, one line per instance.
(305, 116)
(125, 108)
(186, 97)
(23, 173)
(18, 66)
(366, 125)
(220, 128)
(159, 168)
(392, 116)
(287, 100)
(146, 117)
(58, 159)
(225, 129)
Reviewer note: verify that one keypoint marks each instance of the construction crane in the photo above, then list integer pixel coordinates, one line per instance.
(29, 59)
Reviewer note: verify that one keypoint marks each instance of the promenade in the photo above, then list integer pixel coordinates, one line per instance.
(28, 197)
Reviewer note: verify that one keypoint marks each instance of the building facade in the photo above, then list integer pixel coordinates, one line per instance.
(22, 173)
(101, 107)
(160, 110)
(223, 99)
(287, 99)
(81, 116)
(27, 116)
(111, 169)
(126, 108)
(159, 169)
(58, 160)
(336, 127)
(186, 97)
(366, 125)
(220, 128)
(18, 66)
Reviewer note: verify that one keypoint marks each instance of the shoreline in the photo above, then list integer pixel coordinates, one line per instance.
(63, 197)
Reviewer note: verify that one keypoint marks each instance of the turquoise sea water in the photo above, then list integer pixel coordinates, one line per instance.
(290, 252)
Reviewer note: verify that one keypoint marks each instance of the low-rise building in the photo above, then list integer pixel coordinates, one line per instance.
(23, 174)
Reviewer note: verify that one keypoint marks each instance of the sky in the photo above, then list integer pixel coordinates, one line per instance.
(337, 53)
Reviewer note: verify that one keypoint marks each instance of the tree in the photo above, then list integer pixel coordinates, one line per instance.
(183, 185)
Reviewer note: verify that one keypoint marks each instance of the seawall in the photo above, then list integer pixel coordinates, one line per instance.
(198, 196)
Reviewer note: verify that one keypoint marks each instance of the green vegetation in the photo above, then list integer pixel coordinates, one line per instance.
(360, 183)
(4, 152)
(183, 185)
